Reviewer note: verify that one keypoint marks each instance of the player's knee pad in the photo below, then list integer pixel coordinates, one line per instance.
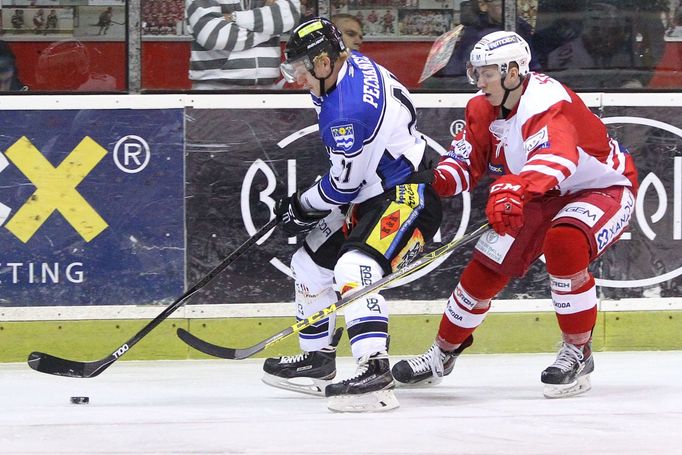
(355, 270)
(482, 282)
(367, 318)
(311, 279)
(566, 250)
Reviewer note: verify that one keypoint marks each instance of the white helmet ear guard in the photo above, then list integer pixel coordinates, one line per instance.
(499, 48)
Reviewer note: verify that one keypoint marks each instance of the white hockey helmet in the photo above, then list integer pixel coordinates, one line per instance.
(499, 48)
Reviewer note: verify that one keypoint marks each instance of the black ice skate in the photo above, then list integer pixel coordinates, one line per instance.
(569, 375)
(308, 372)
(430, 367)
(370, 390)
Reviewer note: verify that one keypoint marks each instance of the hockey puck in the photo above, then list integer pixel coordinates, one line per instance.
(80, 400)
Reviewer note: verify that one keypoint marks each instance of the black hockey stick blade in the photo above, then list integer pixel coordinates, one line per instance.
(210, 348)
(49, 364)
(46, 363)
(243, 353)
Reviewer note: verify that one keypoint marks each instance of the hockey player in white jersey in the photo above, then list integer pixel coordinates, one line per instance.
(562, 187)
(363, 218)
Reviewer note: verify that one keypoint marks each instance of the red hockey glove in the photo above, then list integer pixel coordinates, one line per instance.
(445, 187)
(505, 204)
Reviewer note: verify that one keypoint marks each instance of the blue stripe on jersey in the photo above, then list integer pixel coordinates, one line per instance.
(393, 172)
(317, 101)
(315, 336)
(408, 223)
(369, 335)
(367, 319)
(334, 195)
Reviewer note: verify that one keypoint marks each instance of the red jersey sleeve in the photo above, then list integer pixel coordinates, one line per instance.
(467, 156)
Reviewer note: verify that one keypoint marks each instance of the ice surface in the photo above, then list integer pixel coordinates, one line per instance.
(491, 404)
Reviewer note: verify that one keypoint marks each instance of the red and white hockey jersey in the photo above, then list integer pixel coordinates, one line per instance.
(550, 138)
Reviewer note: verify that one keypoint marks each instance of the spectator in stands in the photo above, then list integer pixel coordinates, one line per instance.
(39, 21)
(18, 19)
(675, 29)
(350, 28)
(235, 48)
(479, 18)
(607, 54)
(52, 22)
(308, 10)
(9, 75)
(557, 23)
(668, 73)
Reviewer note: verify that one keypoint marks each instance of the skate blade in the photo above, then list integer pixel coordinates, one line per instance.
(577, 387)
(379, 401)
(309, 386)
(424, 383)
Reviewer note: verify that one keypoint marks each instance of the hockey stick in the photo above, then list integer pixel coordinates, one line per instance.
(243, 353)
(46, 363)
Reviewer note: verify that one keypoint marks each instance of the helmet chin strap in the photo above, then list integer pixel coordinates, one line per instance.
(323, 90)
(507, 91)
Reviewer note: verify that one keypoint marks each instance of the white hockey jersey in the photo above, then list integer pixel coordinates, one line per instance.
(368, 126)
(550, 138)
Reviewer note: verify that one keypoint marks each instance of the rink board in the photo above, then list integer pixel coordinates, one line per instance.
(218, 163)
(91, 206)
(188, 229)
(410, 334)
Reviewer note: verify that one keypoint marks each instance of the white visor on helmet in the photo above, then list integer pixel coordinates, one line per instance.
(291, 69)
(489, 75)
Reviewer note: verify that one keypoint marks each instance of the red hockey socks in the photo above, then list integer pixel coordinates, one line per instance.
(574, 293)
(468, 304)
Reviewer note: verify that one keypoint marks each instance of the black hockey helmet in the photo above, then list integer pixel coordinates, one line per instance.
(309, 40)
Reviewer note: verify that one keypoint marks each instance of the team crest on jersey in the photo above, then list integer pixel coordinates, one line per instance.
(343, 136)
(537, 140)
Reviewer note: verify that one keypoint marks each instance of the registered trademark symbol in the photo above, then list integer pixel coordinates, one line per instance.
(456, 127)
(131, 154)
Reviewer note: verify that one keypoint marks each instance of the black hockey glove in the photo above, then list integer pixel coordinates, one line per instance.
(425, 176)
(295, 220)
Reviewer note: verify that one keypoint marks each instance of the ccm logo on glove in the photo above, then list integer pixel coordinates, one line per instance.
(505, 204)
(504, 186)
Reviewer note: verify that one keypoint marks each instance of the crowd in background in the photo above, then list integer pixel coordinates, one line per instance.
(589, 44)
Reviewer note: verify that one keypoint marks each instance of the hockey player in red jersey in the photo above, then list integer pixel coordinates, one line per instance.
(562, 187)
